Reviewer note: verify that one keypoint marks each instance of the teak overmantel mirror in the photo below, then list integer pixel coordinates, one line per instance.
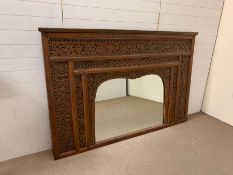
(78, 62)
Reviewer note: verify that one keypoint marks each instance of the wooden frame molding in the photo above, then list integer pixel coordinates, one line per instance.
(78, 61)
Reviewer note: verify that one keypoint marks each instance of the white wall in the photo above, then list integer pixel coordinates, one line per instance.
(24, 124)
(111, 89)
(147, 87)
(218, 100)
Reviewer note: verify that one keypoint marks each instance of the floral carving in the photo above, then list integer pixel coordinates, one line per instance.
(182, 88)
(62, 108)
(104, 47)
(80, 115)
(173, 94)
(126, 63)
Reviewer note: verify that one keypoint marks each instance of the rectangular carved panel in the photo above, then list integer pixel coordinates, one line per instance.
(78, 61)
(103, 47)
(62, 108)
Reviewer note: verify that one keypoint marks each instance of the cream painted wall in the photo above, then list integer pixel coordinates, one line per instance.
(218, 101)
(148, 87)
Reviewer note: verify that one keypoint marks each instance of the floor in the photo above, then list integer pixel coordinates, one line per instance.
(122, 115)
(200, 146)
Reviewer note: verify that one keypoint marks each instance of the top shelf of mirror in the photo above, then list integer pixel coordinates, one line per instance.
(108, 31)
(102, 44)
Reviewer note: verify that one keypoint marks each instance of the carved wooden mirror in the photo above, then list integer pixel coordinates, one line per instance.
(81, 65)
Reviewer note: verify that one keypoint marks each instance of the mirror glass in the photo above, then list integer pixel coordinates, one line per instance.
(126, 105)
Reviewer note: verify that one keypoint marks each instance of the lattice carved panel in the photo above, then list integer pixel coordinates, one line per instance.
(103, 47)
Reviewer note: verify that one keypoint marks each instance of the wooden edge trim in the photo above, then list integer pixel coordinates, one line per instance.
(170, 101)
(123, 69)
(49, 88)
(73, 104)
(115, 57)
(86, 110)
(177, 89)
(112, 31)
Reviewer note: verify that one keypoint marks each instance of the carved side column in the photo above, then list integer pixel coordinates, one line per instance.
(183, 76)
(62, 112)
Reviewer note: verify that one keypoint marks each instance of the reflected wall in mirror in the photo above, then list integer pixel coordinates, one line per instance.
(127, 105)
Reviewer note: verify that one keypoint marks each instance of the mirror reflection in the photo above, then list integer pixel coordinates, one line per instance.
(126, 105)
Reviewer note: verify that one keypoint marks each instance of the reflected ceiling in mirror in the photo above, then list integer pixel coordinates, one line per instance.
(124, 106)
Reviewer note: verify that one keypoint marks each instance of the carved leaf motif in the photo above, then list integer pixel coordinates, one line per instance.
(62, 108)
(80, 109)
(182, 88)
(126, 63)
(101, 47)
